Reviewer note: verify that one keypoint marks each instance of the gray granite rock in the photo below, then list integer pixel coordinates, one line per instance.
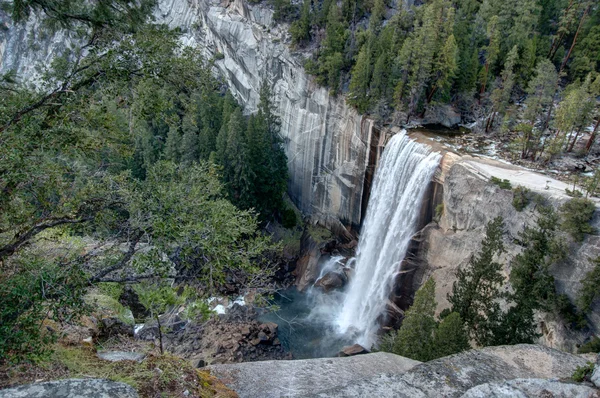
(306, 377)
(596, 375)
(531, 388)
(72, 388)
(116, 356)
(386, 375)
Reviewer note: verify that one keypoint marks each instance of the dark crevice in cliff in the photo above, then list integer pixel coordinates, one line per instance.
(409, 278)
(373, 156)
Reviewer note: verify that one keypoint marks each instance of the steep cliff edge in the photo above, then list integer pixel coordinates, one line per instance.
(470, 201)
(326, 141)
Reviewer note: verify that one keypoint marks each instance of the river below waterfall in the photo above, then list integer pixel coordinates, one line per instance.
(319, 323)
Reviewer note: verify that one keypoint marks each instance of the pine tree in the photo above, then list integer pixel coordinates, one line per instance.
(445, 68)
(491, 53)
(361, 76)
(450, 336)
(540, 95)
(476, 291)
(173, 144)
(300, 29)
(189, 144)
(237, 174)
(377, 15)
(501, 95)
(415, 337)
(530, 276)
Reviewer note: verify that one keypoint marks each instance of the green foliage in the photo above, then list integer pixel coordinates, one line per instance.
(521, 198)
(300, 29)
(569, 312)
(504, 184)
(590, 289)
(420, 337)
(111, 289)
(591, 346)
(34, 291)
(476, 291)
(583, 372)
(450, 336)
(415, 337)
(288, 217)
(439, 211)
(576, 215)
(530, 276)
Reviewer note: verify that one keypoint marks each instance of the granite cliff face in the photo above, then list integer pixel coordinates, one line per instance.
(327, 142)
(470, 201)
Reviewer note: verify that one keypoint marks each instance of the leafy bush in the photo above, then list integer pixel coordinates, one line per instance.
(111, 289)
(288, 217)
(583, 372)
(39, 290)
(521, 198)
(591, 346)
(504, 184)
(569, 312)
(576, 215)
(575, 193)
(590, 289)
(219, 56)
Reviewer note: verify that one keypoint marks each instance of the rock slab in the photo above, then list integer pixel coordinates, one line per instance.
(532, 388)
(306, 377)
(117, 356)
(387, 375)
(72, 388)
(596, 375)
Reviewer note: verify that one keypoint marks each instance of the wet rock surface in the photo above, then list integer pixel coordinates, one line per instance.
(332, 280)
(229, 338)
(72, 388)
(352, 350)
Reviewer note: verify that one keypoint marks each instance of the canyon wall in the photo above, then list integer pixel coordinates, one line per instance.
(327, 142)
(470, 201)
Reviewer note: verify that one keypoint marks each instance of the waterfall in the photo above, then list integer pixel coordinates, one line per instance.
(401, 180)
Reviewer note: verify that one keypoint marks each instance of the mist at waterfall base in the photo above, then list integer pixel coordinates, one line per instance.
(318, 324)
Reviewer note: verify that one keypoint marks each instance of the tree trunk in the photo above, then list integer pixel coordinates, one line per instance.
(574, 141)
(160, 337)
(564, 63)
(431, 94)
(562, 67)
(556, 42)
(590, 142)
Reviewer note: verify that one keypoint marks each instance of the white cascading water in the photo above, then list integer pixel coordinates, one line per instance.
(401, 179)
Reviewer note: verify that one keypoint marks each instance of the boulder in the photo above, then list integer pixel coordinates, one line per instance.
(117, 356)
(114, 326)
(306, 377)
(72, 388)
(355, 349)
(130, 299)
(444, 115)
(596, 375)
(331, 281)
(531, 388)
(387, 375)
